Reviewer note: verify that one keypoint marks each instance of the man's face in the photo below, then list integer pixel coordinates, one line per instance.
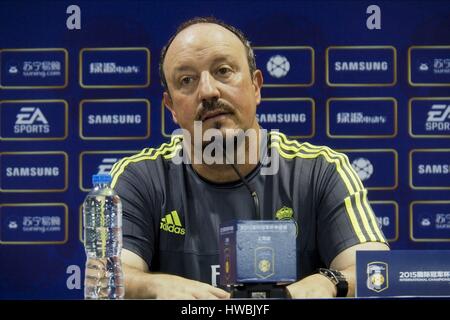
(209, 80)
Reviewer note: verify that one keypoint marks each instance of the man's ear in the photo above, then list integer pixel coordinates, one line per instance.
(257, 85)
(169, 105)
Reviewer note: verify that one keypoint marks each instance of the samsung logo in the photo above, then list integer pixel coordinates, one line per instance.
(281, 118)
(383, 221)
(361, 66)
(433, 169)
(114, 119)
(32, 171)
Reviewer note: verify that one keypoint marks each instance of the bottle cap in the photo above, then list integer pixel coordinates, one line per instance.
(101, 179)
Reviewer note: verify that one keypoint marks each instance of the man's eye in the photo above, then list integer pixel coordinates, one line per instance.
(186, 80)
(223, 71)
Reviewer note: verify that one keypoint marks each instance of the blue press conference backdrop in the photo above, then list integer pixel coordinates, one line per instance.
(73, 102)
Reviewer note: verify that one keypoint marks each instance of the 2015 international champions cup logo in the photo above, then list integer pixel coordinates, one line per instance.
(377, 276)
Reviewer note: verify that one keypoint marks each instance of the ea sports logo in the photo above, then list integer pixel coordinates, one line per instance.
(278, 66)
(363, 168)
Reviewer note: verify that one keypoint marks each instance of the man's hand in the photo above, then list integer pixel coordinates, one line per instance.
(140, 283)
(313, 286)
(318, 286)
(173, 287)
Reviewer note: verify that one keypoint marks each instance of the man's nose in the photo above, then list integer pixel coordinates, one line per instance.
(207, 87)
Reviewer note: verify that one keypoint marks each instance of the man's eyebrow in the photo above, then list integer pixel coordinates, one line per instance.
(182, 68)
(224, 58)
(187, 67)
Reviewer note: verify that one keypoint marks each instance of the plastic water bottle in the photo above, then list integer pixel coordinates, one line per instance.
(102, 216)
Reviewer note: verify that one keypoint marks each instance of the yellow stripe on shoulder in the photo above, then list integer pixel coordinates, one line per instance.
(166, 150)
(372, 218)
(304, 150)
(117, 165)
(354, 220)
(292, 149)
(144, 152)
(295, 146)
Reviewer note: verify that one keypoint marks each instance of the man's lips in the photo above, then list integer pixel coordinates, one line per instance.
(214, 114)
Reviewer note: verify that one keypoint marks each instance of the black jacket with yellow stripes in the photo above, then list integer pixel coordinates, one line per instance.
(171, 216)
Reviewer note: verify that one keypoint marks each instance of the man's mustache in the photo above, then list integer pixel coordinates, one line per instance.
(211, 106)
